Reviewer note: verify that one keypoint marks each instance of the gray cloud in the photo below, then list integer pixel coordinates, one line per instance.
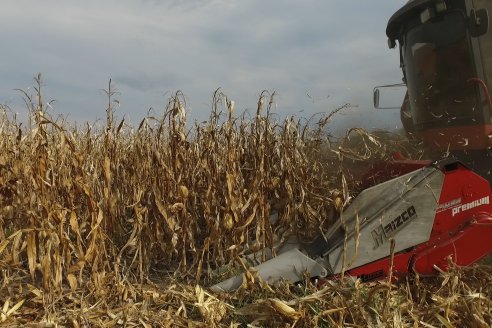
(333, 50)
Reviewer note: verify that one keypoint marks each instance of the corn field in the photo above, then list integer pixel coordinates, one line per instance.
(127, 226)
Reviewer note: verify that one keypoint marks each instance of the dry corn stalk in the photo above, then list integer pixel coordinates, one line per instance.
(89, 216)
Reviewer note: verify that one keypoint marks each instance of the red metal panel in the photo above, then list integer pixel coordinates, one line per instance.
(464, 248)
(462, 230)
(457, 137)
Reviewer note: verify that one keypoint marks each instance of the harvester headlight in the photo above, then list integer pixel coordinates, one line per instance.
(441, 6)
(426, 15)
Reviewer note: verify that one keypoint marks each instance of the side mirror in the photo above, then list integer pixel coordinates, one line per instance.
(479, 22)
(388, 96)
(376, 97)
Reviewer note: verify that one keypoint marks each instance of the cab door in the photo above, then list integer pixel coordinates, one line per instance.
(482, 49)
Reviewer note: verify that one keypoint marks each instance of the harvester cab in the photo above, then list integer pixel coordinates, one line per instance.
(446, 59)
(428, 214)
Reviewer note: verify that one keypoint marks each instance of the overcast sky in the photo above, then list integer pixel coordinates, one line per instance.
(316, 54)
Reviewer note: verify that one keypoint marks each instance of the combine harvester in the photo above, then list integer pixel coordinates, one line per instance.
(418, 216)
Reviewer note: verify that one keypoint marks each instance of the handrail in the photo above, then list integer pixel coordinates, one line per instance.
(484, 89)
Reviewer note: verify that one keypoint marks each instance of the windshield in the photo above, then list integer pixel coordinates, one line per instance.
(438, 63)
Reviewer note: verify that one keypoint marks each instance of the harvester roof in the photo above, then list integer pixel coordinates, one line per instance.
(411, 8)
